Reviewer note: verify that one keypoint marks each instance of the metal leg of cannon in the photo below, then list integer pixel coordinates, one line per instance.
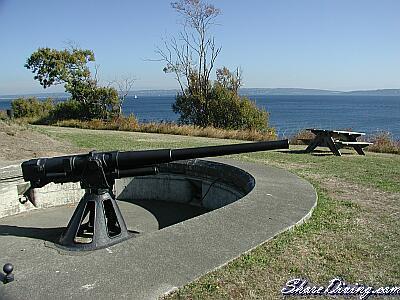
(96, 223)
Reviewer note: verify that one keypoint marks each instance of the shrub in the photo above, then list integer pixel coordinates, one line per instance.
(230, 111)
(32, 107)
(70, 109)
(3, 115)
(223, 109)
(219, 104)
(383, 142)
(301, 137)
(189, 109)
(125, 123)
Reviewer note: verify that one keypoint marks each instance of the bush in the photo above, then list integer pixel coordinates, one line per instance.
(219, 104)
(230, 111)
(223, 108)
(301, 137)
(102, 103)
(189, 108)
(3, 115)
(383, 142)
(32, 107)
(125, 123)
(70, 109)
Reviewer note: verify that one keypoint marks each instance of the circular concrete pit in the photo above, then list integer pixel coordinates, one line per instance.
(218, 211)
(182, 190)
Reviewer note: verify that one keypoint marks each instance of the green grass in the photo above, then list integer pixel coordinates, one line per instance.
(352, 234)
(378, 170)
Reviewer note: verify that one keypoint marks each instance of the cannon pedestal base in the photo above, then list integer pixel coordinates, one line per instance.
(96, 223)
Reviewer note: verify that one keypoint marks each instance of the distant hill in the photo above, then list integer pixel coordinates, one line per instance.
(243, 91)
(383, 92)
(316, 92)
(286, 91)
(153, 93)
(38, 95)
(66, 95)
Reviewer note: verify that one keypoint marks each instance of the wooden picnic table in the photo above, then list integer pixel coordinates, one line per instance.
(336, 139)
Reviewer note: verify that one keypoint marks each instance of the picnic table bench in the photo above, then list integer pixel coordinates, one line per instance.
(335, 140)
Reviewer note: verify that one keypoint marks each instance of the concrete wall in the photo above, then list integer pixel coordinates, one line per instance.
(196, 182)
(48, 196)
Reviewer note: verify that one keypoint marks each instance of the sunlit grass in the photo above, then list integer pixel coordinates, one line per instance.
(352, 234)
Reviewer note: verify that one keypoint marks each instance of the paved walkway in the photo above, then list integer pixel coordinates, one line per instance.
(159, 261)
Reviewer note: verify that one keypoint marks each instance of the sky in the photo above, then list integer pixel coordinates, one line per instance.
(324, 44)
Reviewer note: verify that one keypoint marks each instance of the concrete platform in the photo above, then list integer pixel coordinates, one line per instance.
(157, 261)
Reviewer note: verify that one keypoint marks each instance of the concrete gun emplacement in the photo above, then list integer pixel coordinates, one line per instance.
(97, 172)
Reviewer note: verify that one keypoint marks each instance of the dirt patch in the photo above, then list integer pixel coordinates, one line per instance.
(368, 197)
(20, 142)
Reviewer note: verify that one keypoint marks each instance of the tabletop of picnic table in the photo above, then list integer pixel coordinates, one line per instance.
(336, 131)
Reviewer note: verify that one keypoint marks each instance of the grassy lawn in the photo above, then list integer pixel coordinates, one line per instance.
(353, 233)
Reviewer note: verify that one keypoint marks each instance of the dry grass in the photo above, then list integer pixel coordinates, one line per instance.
(131, 124)
(383, 142)
(19, 142)
(300, 137)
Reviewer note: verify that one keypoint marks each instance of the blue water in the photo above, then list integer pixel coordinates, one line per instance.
(288, 114)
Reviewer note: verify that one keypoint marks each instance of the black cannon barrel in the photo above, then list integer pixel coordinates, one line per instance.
(115, 164)
(134, 159)
(188, 153)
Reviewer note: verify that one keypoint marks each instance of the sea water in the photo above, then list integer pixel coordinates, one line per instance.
(289, 114)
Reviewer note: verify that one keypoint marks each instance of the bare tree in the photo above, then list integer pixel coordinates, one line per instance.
(124, 86)
(191, 57)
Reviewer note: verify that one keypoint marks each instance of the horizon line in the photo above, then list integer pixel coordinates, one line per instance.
(244, 88)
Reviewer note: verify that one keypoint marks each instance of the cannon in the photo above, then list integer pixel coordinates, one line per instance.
(97, 221)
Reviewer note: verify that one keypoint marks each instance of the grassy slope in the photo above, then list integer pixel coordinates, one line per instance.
(353, 233)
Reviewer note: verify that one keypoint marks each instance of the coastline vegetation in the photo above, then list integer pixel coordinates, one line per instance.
(42, 114)
(34, 111)
(64, 114)
(130, 124)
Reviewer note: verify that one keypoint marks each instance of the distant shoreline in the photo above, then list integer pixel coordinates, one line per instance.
(243, 91)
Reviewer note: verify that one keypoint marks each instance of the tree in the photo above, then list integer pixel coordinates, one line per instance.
(192, 57)
(227, 109)
(124, 86)
(54, 67)
(230, 80)
(70, 67)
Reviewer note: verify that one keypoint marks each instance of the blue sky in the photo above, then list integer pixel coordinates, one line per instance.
(327, 44)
